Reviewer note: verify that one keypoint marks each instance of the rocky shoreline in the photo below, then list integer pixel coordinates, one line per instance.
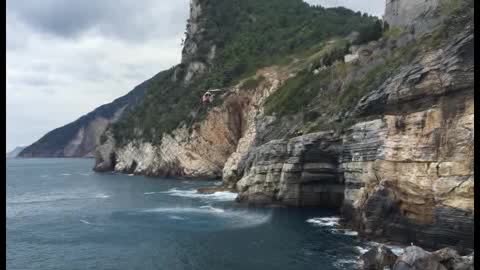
(416, 258)
(398, 162)
(404, 174)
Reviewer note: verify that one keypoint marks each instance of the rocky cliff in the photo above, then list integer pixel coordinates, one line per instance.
(409, 174)
(405, 173)
(14, 153)
(420, 15)
(79, 138)
(386, 137)
(203, 149)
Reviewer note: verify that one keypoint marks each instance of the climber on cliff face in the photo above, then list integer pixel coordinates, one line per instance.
(207, 98)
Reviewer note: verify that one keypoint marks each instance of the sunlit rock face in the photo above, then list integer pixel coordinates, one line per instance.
(419, 15)
(213, 147)
(409, 174)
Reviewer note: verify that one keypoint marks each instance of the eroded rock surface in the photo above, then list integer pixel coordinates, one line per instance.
(409, 174)
(302, 171)
(378, 258)
(204, 150)
(403, 171)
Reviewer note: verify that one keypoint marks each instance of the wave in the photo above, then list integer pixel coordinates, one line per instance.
(211, 208)
(397, 250)
(54, 198)
(217, 196)
(85, 222)
(362, 250)
(151, 193)
(199, 210)
(342, 262)
(231, 218)
(176, 217)
(345, 232)
(325, 221)
(332, 222)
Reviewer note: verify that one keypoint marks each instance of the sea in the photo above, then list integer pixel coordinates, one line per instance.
(62, 215)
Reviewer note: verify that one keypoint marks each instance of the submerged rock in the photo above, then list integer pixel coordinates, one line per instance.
(415, 258)
(378, 258)
(453, 261)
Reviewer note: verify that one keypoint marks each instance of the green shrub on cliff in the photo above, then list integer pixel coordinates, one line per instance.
(248, 34)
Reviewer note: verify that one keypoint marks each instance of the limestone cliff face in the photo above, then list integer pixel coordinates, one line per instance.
(409, 173)
(405, 174)
(302, 171)
(419, 14)
(88, 137)
(403, 170)
(195, 61)
(204, 150)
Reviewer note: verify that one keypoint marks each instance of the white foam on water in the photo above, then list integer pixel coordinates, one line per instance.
(209, 207)
(362, 250)
(397, 250)
(102, 196)
(345, 232)
(232, 218)
(342, 262)
(217, 196)
(131, 174)
(180, 210)
(350, 233)
(176, 217)
(151, 193)
(66, 174)
(324, 221)
(85, 222)
(53, 197)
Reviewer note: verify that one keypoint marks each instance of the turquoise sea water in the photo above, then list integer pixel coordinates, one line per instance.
(62, 215)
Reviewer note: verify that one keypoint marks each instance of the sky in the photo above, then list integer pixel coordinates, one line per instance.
(66, 57)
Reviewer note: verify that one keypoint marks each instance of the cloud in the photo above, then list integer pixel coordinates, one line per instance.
(120, 19)
(65, 59)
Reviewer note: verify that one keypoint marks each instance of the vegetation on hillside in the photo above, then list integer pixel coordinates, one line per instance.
(320, 97)
(249, 34)
(54, 142)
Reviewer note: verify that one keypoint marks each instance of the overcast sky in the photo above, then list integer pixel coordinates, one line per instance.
(67, 57)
